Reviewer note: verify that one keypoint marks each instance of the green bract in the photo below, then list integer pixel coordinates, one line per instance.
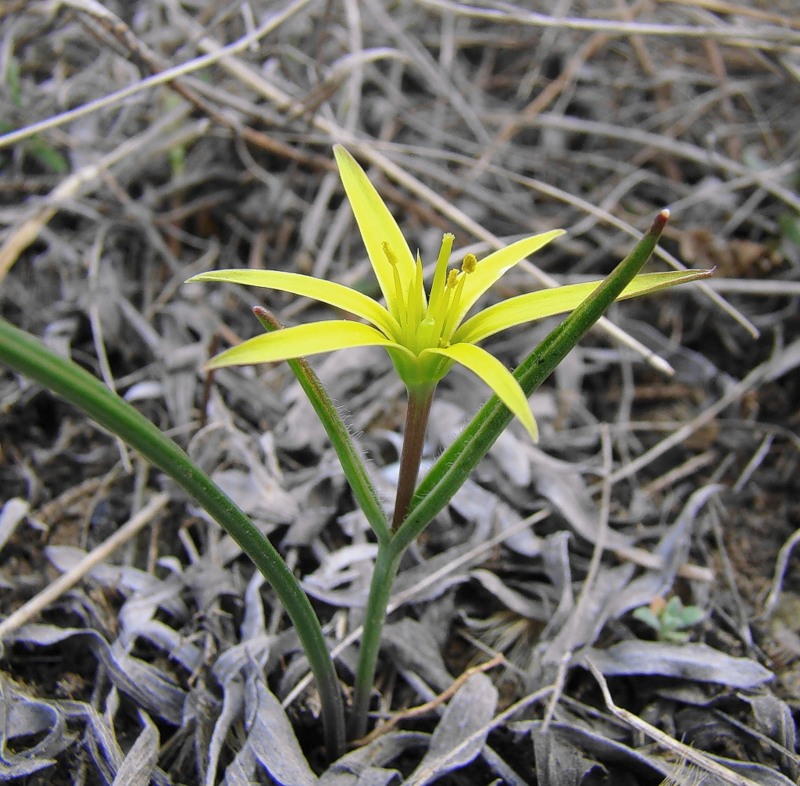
(425, 333)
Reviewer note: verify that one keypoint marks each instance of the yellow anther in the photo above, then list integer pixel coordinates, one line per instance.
(470, 263)
(452, 279)
(389, 254)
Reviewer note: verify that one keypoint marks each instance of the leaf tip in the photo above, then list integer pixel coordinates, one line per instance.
(660, 222)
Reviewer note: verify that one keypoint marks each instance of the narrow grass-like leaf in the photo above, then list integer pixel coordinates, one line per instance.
(27, 355)
(454, 466)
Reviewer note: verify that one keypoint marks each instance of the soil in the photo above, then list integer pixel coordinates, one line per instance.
(492, 121)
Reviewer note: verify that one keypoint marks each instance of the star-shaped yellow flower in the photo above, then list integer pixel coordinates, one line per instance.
(424, 332)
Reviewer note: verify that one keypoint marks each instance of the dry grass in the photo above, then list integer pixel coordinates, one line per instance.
(150, 144)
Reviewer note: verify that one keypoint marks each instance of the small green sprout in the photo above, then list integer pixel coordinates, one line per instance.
(669, 618)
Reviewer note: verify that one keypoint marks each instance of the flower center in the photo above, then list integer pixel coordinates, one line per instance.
(430, 321)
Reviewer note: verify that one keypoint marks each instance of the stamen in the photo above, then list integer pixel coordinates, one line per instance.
(416, 297)
(455, 286)
(470, 263)
(387, 250)
(398, 287)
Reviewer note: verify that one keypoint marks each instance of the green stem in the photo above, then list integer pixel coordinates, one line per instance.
(419, 409)
(353, 467)
(28, 356)
(388, 560)
(383, 576)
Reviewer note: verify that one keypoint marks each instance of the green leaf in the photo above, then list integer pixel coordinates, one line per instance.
(645, 614)
(26, 355)
(453, 467)
(13, 81)
(47, 155)
(352, 465)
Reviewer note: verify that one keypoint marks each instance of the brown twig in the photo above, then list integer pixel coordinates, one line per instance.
(429, 706)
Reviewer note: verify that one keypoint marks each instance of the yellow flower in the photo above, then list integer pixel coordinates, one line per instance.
(425, 333)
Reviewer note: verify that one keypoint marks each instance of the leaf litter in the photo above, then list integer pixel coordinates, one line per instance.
(170, 661)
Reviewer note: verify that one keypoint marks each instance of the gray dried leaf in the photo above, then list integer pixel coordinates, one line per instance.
(436, 575)
(301, 429)
(161, 593)
(147, 685)
(317, 501)
(524, 541)
(241, 771)
(272, 739)
(474, 503)
(461, 733)
(774, 719)
(530, 608)
(23, 718)
(232, 707)
(167, 639)
(254, 623)
(567, 492)
(253, 652)
(690, 367)
(559, 762)
(413, 647)
(600, 747)
(366, 776)
(342, 566)
(179, 376)
(686, 661)
(265, 502)
(784, 361)
(371, 759)
(673, 549)
(209, 579)
(21, 768)
(100, 741)
(14, 511)
(137, 767)
(555, 554)
(144, 391)
(342, 374)
(757, 773)
(585, 621)
(447, 421)
(512, 458)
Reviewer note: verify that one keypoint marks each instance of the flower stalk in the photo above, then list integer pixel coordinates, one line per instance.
(417, 414)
